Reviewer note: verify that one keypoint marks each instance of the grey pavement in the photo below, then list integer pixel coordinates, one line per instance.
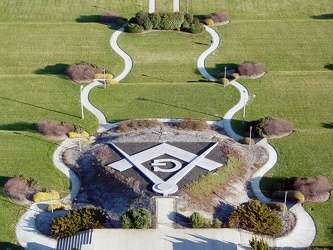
(165, 237)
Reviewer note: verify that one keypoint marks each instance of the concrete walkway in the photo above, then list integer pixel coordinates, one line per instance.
(165, 237)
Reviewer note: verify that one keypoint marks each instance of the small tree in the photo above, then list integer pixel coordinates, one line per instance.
(198, 221)
(139, 218)
(258, 244)
(256, 217)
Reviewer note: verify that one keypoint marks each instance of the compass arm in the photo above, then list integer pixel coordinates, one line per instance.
(184, 171)
(151, 176)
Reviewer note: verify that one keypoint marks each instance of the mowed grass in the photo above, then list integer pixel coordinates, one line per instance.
(177, 100)
(43, 37)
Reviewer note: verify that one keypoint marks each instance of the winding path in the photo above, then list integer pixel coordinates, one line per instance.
(302, 236)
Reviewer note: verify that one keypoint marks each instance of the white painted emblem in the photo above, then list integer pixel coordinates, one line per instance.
(170, 185)
(163, 163)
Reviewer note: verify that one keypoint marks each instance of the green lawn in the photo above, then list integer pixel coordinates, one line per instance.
(293, 38)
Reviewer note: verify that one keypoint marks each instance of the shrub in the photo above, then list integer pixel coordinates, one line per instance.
(171, 21)
(224, 81)
(216, 223)
(247, 141)
(191, 124)
(83, 72)
(134, 28)
(235, 76)
(258, 126)
(102, 75)
(256, 217)
(19, 188)
(77, 220)
(277, 127)
(219, 17)
(109, 17)
(58, 206)
(198, 221)
(312, 187)
(209, 21)
(111, 81)
(44, 196)
(54, 129)
(195, 21)
(251, 69)
(188, 17)
(137, 124)
(277, 206)
(121, 21)
(155, 19)
(291, 195)
(139, 218)
(185, 25)
(74, 135)
(258, 245)
(197, 28)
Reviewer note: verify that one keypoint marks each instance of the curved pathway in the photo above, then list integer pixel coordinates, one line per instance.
(302, 236)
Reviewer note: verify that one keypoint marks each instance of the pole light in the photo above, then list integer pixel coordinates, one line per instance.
(82, 113)
(244, 105)
(187, 6)
(79, 135)
(225, 75)
(104, 79)
(285, 200)
(250, 135)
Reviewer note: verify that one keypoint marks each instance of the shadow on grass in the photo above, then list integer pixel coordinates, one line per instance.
(19, 126)
(269, 184)
(58, 69)
(11, 246)
(36, 106)
(3, 180)
(327, 125)
(175, 106)
(329, 66)
(152, 77)
(218, 70)
(323, 16)
(89, 19)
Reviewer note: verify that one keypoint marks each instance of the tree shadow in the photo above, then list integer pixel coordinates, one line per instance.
(3, 180)
(58, 69)
(327, 125)
(176, 106)
(323, 16)
(89, 19)
(329, 66)
(11, 246)
(39, 107)
(219, 69)
(270, 184)
(223, 211)
(196, 241)
(19, 126)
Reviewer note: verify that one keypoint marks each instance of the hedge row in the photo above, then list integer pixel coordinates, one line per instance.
(198, 221)
(164, 21)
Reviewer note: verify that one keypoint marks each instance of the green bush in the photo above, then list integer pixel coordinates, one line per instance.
(171, 21)
(216, 223)
(197, 28)
(246, 141)
(44, 196)
(258, 244)
(291, 195)
(188, 17)
(277, 206)
(134, 28)
(185, 25)
(77, 220)
(256, 217)
(139, 218)
(155, 19)
(198, 221)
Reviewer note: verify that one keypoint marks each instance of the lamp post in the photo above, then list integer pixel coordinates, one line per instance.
(225, 75)
(79, 135)
(244, 105)
(104, 79)
(250, 135)
(82, 113)
(285, 200)
(187, 6)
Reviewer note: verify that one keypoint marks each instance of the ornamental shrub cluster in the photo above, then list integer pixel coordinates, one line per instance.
(218, 17)
(199, 221)
(77, 220)
(44, 196)
(258, 244)
(256, 217)
(163, 21)
(268, 126)
(251, 69)
(139, 218)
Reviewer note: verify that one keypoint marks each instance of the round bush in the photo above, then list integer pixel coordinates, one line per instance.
(216, 223)
(277, 206)
(44, 196)
(198, 221)
(209, 21)
(134, 28)
(139, 218)
(235, 76)
(111, 81)
(74, 135)
(251, 69)
(224, 81)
